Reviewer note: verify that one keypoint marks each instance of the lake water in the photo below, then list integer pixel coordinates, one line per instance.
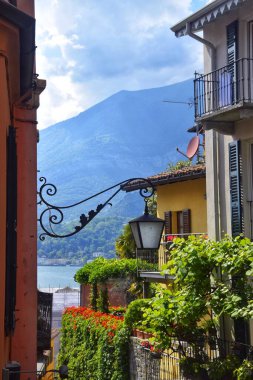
(56, 277)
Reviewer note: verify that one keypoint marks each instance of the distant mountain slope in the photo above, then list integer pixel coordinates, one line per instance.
(130, 134)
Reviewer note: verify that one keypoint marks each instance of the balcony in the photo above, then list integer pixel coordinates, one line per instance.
(44, 323)
(225, 95)
(161, 258)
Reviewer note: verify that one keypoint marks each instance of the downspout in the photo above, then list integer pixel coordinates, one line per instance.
(205, 42)
(213, 136)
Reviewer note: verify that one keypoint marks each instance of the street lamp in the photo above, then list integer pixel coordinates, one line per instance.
(147, 229)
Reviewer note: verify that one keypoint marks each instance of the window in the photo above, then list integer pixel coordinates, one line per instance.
(235, 188)
(177, 222)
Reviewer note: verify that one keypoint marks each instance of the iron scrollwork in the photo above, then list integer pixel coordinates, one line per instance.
(53, 215)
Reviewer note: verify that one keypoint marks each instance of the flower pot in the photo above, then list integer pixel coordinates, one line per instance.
(147, 335)
(139, 334)
(134, 332)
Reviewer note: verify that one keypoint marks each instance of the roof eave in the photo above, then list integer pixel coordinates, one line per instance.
(165, 181)
(205, 15)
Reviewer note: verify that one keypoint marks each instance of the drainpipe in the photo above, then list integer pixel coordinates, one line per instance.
(205, 42)
(214, 138)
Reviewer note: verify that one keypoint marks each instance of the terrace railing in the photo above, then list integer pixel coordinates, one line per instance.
(144, 366)
(225, 88)
(167, 239)
(44, 324)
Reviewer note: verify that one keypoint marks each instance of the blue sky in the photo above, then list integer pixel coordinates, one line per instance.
(91, 49)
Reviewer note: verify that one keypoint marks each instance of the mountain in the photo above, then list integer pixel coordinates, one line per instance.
(130, 134)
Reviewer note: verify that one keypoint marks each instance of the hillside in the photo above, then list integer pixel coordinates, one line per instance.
(130, 134)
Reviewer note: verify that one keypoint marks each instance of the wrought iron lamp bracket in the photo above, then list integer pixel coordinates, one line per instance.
(53, 215)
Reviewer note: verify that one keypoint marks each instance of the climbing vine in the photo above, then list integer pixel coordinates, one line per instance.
(211, 279)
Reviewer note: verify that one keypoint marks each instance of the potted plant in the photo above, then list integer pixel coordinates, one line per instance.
(139, 334)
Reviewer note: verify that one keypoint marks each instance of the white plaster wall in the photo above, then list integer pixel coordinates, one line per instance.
(217, 163)
(217, 183)
(215, 32)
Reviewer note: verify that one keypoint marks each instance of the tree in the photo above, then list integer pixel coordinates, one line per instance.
(125, 246)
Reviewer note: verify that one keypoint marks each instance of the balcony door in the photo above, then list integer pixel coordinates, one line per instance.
(250, 56)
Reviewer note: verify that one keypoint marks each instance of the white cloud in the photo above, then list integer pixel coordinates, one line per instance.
(90, 49)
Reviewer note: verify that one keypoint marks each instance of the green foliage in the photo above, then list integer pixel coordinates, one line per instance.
(125, 246)
(178, 165)
(94, 296)
(103, 301)
(102, 269)
(219, 369)
(97, 236)
(203, 287)
(152, 205)
(192, 368)
(245, 371)
(134, 313)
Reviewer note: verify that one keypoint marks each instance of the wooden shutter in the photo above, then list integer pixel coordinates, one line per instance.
(232, 56)
(11, 234)
(235, 188)
(168, 222)
(186, 221)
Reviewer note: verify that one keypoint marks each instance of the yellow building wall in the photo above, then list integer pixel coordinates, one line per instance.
(177, 197)
(185, 195)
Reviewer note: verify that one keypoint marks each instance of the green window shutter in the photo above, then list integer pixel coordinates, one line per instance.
(186, 221)
(168, 222)
(232, 56)
(235, 188)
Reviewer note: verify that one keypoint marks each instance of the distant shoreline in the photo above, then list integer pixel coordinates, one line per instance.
(59, 265)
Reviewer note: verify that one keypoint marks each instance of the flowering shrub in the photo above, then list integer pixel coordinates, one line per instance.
(146, 344)
(117, 310)
(94, 345)
(170, 237)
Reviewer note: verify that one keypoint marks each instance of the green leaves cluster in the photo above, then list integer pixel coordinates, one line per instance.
(125, 246)
(211, 279)
(97, 236)
(101, 269)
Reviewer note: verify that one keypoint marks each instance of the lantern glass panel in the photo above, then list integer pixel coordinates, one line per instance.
(151, 234)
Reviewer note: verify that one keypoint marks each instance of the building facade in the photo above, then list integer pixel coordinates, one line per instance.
(19, 99)
(224, 108)
(181, 202)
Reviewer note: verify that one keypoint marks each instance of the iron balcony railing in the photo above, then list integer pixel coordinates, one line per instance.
(229, 86)
(209, 349)
(44, 324)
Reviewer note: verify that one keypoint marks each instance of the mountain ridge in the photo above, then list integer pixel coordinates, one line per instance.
(130, 134)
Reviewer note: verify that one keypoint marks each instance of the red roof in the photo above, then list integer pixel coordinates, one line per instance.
(185, 174)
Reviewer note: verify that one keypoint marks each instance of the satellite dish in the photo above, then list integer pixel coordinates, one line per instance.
(192, 148)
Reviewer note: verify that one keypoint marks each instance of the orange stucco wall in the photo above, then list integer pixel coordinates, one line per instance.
(26, 304)
(22, 345)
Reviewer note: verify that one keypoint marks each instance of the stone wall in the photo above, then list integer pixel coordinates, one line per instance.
(144, 366)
